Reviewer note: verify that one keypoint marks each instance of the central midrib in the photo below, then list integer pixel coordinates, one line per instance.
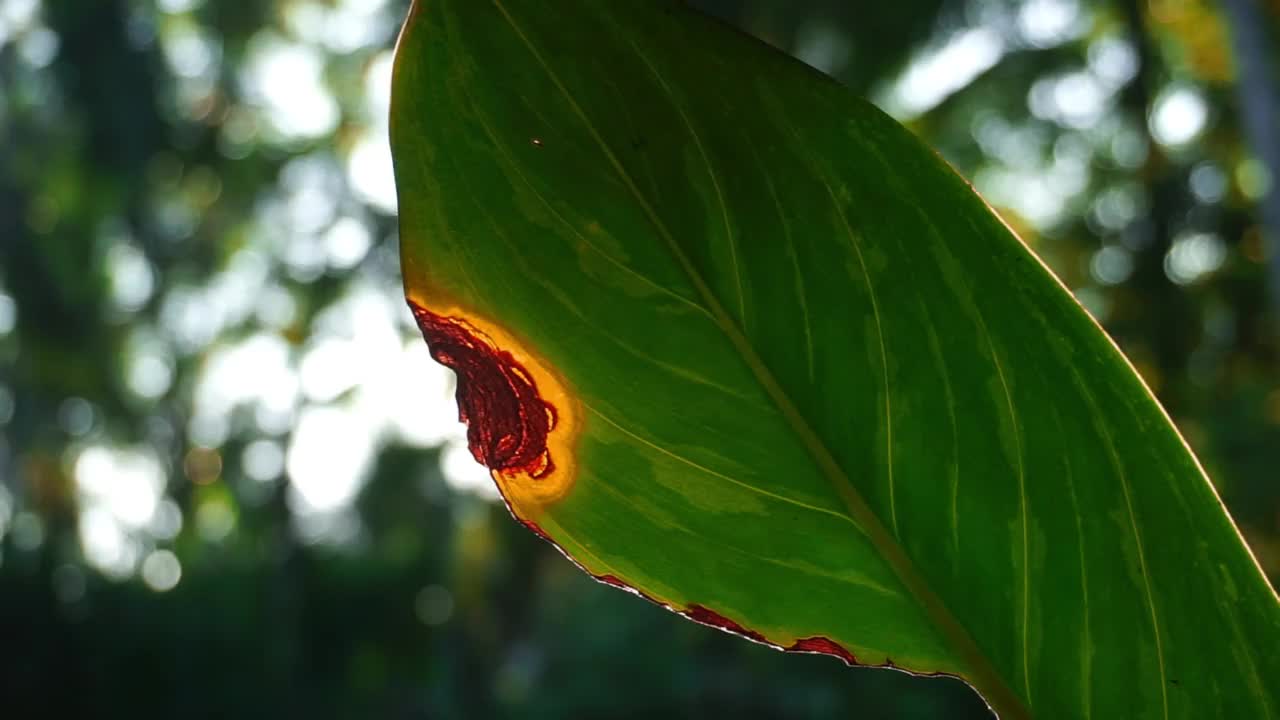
(984, 676)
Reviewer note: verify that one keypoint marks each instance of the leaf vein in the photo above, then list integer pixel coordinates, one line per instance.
(884, 355)
(716, 473)
(1022, 505)
(935, 346)
(859, 582)
(789, 245)
(1137, 535)
(711, 174)
(515, 167)
(1086, 639)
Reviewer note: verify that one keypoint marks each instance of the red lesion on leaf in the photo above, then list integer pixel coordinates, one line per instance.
(614, 581)
(521, 419)
(707, 616)
(536, 530)
(507, 420)
(816, 644)
(822, 645)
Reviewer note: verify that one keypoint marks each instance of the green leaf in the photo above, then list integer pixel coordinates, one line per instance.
(731, 337)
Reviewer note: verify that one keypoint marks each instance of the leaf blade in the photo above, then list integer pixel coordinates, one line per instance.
(622, 178)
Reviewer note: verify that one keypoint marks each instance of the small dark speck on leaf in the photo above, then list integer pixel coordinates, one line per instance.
(639, 143)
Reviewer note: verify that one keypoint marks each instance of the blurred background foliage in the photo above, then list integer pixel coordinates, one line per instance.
(232, 482)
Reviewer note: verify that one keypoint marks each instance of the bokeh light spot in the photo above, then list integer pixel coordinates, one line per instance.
(215, 519)
(125, 483)
(1194, 255)
(1179, 116)
(433, 605)
(263, 460)
(939, 72)
(161, 571)
(1111, 265)
(327, 458)
(8, 314)
(287, 81)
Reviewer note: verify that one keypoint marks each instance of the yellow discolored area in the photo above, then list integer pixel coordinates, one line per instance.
(527, 496)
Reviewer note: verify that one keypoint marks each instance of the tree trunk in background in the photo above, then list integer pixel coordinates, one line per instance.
(1256, 95)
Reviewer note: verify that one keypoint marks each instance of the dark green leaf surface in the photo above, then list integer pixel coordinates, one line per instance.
(807, 386)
